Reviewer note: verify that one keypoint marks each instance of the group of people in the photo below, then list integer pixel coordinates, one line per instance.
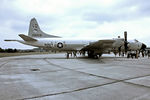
(74, 54)
(136, 54)
(130, 54)
(148, 53)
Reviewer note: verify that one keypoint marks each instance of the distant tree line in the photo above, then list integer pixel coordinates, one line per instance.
(9, 50)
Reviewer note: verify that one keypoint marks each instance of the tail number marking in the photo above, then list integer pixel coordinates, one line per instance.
(49, 45)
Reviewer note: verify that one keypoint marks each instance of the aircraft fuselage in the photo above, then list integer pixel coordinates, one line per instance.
(59, 43)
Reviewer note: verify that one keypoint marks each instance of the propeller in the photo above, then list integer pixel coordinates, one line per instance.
(125, 42)
(143, 49)
(119, 49)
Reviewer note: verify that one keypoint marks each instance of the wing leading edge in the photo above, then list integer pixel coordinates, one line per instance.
(99, 45)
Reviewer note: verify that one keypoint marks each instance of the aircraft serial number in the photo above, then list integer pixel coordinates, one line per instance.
(50, 45)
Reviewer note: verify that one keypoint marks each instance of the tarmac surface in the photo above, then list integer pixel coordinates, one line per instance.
(53, 77)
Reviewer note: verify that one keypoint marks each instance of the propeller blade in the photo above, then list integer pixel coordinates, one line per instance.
(119, 50)
(125, 42)
(143, 49)
(143, 46)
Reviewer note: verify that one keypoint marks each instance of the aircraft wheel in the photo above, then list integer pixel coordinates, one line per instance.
(91, 54)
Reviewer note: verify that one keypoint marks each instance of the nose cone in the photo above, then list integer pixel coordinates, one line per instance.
(143, 46)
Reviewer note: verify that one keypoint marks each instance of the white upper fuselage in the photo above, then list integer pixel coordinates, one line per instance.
(59, 43)
(76, 44)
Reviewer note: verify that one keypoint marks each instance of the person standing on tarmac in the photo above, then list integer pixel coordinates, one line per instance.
(148, 53)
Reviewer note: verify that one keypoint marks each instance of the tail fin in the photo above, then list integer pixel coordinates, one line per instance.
(36, 32)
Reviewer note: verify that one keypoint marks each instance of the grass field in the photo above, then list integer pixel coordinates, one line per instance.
(20, 54)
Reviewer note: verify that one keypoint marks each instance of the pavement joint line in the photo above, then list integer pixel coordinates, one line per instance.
(79, 71)
(75, 90)
(125, 81)
(132, 66)
(98, 75)
(135, 77)
(4, 64)
(137, 84)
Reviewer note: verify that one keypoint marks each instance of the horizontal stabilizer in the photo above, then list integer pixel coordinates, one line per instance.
(10, 40)
(27, 38)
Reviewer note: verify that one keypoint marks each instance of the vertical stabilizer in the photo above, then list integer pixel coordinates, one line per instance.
(36, 32)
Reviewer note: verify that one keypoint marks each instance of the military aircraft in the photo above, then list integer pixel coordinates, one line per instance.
(94, 47)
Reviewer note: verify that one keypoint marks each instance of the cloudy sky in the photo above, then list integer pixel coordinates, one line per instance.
(75, 18)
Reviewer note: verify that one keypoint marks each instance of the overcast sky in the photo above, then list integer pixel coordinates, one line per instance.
(75, 18)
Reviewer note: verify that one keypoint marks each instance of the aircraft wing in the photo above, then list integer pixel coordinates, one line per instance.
(100, 45)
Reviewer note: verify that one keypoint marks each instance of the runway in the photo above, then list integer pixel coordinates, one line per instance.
(53, 77)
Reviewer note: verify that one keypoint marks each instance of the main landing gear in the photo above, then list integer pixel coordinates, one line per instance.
(91, 54)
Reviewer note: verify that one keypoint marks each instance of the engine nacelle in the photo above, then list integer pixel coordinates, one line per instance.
(118, 43)
(134, 45)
